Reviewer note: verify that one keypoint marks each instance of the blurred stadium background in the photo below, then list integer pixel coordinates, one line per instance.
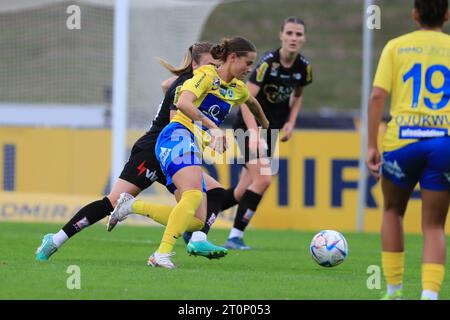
(56, 102)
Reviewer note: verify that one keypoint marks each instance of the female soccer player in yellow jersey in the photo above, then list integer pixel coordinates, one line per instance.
(203, 103)
(142, 169)
(415, 70)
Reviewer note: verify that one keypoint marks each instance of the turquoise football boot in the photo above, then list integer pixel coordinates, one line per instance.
(206, 249)
(47, 248)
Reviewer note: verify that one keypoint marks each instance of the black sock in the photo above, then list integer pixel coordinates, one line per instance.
(246, 209)
(214, 203)
(88, 215)
(228, 199)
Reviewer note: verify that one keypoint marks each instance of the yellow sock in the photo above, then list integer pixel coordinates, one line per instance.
(161, 213)
(195, 225)
(158, 212)
(432, 276)
(179, 219)
(393, 266)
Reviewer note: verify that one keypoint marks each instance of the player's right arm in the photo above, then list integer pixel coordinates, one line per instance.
(381, 87)
(375, 113)
(192, 90)
(186, 105)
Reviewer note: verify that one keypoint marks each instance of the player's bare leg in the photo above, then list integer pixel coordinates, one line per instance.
(392, 238)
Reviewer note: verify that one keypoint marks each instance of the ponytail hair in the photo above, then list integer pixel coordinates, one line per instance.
(192, 54)
(238, 45)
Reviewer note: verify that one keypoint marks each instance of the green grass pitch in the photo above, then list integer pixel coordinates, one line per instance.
(113, 266)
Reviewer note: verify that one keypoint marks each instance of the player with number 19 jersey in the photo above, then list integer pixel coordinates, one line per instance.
(415, 68)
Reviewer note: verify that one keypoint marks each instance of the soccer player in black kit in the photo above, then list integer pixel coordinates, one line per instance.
(277, 83)
(142, 169)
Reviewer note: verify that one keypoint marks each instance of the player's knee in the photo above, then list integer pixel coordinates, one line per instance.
(112, 199)
(263, 181)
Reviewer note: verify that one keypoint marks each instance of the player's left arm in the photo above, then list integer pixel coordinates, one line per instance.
(295, 105)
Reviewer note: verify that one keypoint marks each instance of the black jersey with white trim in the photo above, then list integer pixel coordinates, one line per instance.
(276, 86)
(162, 118)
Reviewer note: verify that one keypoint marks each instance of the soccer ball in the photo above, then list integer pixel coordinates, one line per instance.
(329, 248)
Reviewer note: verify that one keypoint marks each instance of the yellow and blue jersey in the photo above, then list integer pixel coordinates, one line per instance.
(415, 69)
(215, 98)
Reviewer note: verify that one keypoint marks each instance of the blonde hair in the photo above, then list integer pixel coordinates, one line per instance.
(193, 54)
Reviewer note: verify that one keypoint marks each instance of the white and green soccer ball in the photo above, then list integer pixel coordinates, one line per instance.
(329, 248)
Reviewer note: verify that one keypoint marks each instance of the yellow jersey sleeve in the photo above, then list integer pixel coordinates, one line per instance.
(245, 95)
(383, 75)
(199, 84)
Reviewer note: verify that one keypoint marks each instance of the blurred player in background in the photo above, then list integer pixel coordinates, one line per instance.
(415, 70)
(277, 83)
(142, 169)
(203, 103)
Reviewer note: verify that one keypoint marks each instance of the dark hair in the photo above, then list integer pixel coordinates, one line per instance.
(431, 12)
(194, 53)
(292, 19)
(238, 45)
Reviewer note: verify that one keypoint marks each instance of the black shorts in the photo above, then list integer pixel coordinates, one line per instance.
(271, 140)
(142, 168)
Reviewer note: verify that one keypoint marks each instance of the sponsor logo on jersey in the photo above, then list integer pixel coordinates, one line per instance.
(277, 94)
(215, 108)
(274, 69)
(410, 50)
(200, 81)
(418, 132)
(285, 76)
(214, 111)
(297, 76)
(230, 93)
(216, 84)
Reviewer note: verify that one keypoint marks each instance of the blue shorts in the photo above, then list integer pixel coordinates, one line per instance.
(176, 149)
(426, 161)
